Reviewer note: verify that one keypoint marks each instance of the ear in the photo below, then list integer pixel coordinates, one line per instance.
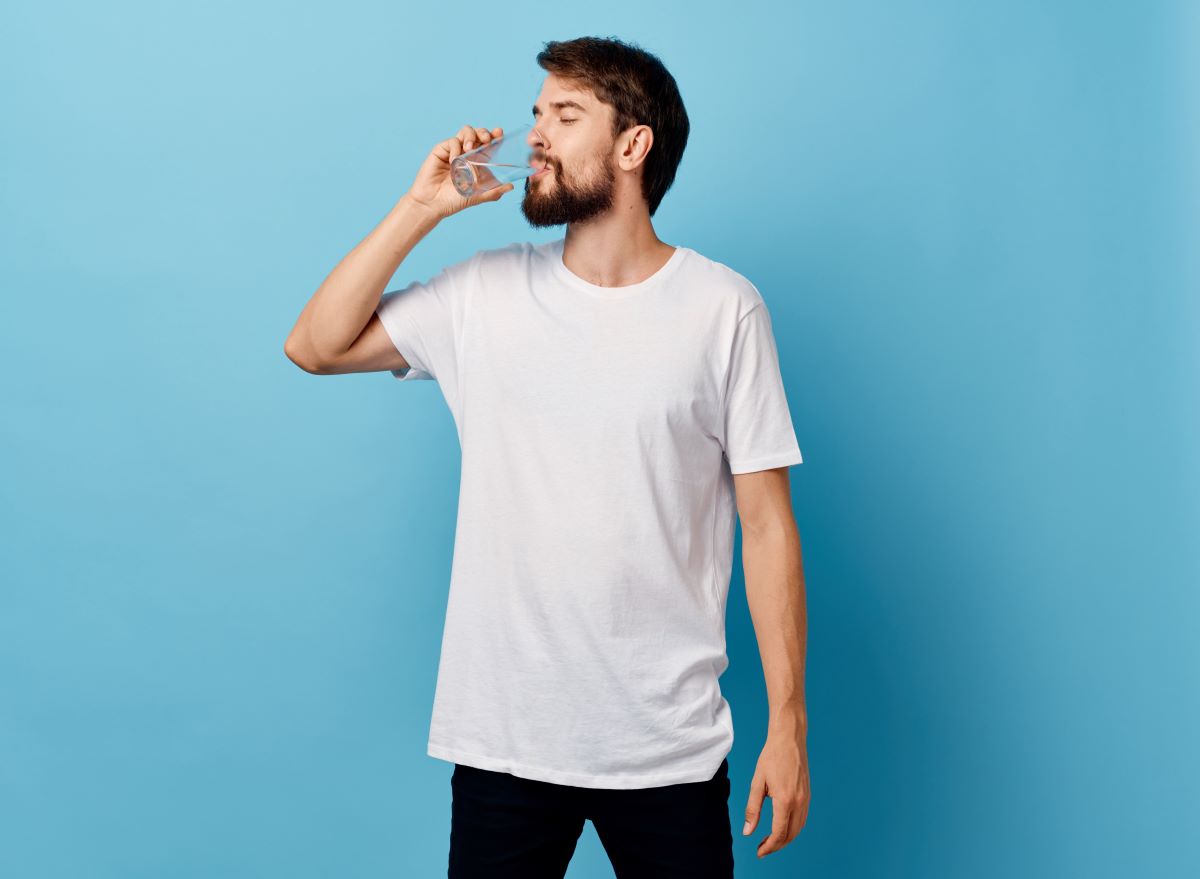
(636, 143)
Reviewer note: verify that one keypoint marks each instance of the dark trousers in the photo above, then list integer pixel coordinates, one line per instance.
(504, 826)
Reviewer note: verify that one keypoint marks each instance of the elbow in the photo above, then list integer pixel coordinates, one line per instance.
(301, 357)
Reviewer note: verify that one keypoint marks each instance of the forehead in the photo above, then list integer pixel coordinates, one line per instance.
(555, 95)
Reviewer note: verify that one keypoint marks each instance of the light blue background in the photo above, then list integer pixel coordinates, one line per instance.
(224, 579)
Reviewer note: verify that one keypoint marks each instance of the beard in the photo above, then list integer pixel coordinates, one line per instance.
(568, 201)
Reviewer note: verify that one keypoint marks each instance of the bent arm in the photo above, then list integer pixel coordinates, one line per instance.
(338, 330)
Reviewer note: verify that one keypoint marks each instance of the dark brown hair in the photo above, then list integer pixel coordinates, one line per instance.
(641, 91)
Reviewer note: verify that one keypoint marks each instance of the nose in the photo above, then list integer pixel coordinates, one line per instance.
(538, 153)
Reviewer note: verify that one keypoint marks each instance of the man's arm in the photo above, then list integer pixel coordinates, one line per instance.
(338, 330)
(775, 593)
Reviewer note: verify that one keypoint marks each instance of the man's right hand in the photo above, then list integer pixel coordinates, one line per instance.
(432, 189)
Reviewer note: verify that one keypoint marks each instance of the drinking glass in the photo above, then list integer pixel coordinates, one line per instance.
(503, 159)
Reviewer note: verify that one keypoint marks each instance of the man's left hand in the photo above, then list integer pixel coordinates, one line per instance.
(782, 775)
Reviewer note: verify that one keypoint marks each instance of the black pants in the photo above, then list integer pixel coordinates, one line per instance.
(505, 826)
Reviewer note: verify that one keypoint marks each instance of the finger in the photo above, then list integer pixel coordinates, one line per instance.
(448, 150)
(754, 804)
(781, 814)
(477, 137)
(795, 824)
(795, 821)
(467, 136)
(445, 148)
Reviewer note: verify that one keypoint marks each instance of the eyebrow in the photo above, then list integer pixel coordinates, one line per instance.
(559, 105)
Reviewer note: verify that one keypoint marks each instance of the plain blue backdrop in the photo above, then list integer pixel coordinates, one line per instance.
(224, 579)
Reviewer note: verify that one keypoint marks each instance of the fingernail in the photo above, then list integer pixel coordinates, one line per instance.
(746, 829)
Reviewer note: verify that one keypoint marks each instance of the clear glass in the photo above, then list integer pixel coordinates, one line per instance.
(504, 159)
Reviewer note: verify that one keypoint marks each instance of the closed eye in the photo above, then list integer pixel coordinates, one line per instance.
(566, 121)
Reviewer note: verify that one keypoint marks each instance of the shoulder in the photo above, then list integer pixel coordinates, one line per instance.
(483, 264)
(734, 290)
(489, 261)
(508, 254)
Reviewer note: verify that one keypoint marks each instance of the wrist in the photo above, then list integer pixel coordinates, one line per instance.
(790, 717)
(415, 210)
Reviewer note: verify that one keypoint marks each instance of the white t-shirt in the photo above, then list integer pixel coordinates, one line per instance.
(600, 428)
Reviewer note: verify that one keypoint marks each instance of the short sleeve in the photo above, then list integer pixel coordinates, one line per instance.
(425, 322)
(757, 431)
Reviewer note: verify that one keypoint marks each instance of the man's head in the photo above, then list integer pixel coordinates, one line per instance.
(609, 122)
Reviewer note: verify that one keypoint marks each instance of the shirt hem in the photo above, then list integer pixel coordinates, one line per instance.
(767, 462)
(575, 779)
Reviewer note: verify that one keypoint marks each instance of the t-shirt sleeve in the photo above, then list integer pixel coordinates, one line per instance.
(757, 431)
(425, 322)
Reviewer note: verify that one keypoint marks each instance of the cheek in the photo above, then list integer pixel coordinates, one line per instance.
(585, 167)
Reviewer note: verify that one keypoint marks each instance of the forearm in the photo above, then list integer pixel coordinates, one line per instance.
(337, 313)
(775, 593)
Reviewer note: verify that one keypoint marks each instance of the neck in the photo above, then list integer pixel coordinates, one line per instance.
(610, 253)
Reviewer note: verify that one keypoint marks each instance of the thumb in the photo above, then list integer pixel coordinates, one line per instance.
(758, 789)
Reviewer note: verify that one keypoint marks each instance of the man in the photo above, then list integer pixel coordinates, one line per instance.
(618, 403)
